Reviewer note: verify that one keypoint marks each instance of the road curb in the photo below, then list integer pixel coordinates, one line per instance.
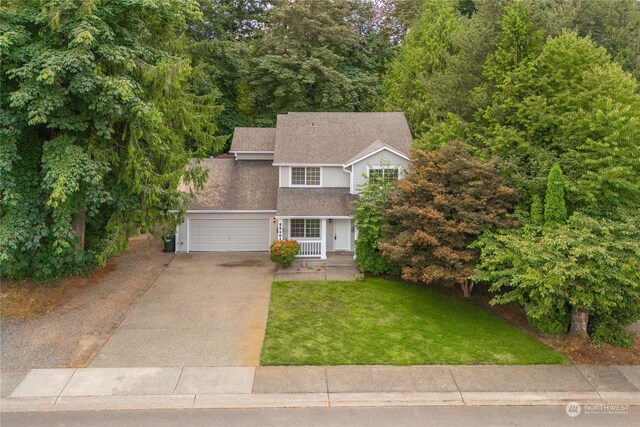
(301, 400)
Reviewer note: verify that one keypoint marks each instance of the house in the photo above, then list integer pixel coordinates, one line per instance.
(295, 181)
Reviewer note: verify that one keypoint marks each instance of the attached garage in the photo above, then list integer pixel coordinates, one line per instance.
(238, 235)
(226, 232)
(235, 209)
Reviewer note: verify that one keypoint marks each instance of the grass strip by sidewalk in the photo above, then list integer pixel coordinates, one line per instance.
(387, 322)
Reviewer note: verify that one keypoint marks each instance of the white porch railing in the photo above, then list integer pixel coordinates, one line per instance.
(309, 248)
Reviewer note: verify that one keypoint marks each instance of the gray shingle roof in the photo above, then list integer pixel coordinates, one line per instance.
(315, 202)
(237, 185)
(253, 139)
(334, 138)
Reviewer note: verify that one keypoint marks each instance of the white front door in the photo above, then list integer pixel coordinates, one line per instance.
(341, 235)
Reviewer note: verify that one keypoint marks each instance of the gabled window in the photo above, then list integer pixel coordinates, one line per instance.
(305, 176)
(305, 228)
(391, 173)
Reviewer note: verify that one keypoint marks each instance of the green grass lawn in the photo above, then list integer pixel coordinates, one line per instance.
(386, 322)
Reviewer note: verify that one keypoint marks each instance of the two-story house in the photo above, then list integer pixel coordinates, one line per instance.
(295, 181)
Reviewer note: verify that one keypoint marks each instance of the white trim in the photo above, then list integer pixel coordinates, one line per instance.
(312, 217)
(391, 150)
(307, 164)
(252, 152)
(188, 233)
(355, 237)
(305, 177)
(323, 236)
(279, 177)
(177, 238)
(383, 167)
(222, 211)
(304, 228)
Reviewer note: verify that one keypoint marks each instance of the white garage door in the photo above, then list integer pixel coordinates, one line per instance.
(228, 235)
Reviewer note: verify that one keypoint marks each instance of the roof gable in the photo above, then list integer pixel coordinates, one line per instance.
(374, 148)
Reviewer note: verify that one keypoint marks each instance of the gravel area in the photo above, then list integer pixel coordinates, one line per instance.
(72, 333)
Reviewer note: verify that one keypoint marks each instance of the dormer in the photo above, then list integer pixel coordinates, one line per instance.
(253, 143)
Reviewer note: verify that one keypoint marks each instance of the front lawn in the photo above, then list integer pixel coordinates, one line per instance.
(386, 322)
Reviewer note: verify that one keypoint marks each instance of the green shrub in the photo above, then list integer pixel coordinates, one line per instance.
(611, 332)
(555, 321)
(284, 251)
(369, 219)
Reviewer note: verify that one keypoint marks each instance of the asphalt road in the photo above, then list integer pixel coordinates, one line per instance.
(407, 416)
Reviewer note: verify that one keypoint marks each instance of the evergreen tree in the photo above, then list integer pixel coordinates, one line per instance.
(555, 210)
(406, 85)
(537, 215)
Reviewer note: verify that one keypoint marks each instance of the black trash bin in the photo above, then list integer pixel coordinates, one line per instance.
(169, 243)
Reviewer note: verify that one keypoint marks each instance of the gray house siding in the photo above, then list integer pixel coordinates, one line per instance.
(382, 158)
(284, 176)
(332, 177)
(335, 177)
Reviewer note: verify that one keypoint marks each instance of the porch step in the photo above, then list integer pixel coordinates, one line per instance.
(342, 260)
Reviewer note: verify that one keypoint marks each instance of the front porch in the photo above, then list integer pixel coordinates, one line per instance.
(318, 236)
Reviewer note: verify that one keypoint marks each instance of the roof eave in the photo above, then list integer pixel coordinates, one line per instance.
(385, 148)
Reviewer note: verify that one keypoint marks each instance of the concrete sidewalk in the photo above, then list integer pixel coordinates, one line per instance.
(315, 386)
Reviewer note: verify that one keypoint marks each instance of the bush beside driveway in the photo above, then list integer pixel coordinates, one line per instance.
(386, 322)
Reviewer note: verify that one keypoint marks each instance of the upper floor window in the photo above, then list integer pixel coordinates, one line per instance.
(307, 176)
(384, 173)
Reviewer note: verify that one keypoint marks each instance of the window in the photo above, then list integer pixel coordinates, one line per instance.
(305, 228)
(305, 176)
(388, 174)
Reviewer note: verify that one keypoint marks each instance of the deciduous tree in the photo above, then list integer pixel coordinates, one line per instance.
(96, 110)
(590, 265)
(447, 199)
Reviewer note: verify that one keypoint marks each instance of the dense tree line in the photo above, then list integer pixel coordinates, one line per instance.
(98, 102)
(271, 57)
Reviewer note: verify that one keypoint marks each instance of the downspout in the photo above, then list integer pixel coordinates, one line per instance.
(344, 168)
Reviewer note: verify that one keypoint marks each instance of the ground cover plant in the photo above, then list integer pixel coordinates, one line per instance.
(379, 321)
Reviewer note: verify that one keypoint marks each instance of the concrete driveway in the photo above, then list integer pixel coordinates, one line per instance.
(206, 309)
